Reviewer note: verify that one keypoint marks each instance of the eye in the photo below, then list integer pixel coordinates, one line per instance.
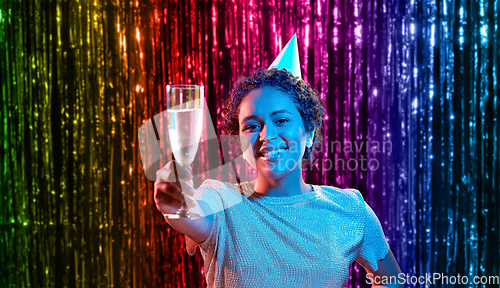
(252, 127)
(282, 121)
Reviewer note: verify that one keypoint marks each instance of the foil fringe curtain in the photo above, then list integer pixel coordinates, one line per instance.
(78, 78)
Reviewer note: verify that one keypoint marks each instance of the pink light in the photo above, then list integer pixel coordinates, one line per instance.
(307, 36)
(214, 21)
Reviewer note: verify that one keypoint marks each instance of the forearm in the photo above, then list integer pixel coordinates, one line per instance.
(197, 229)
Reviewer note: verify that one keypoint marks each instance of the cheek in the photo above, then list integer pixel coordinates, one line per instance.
(296, 136)
(246, 147)
(297, 142)
(245, 142)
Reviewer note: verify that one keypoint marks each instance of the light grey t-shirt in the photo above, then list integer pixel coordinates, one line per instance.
(308, 240)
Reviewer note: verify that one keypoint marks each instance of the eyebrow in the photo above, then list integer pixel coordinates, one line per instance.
(282, 111)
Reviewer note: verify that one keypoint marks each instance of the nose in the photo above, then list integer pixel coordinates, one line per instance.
(267, 134)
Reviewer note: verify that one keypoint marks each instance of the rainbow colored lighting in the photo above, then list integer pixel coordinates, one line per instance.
(78, 78)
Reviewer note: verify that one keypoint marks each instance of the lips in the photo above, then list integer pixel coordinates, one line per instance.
(274, 155)
(273, 152)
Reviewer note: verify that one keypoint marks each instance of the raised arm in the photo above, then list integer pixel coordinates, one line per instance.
(168, 198)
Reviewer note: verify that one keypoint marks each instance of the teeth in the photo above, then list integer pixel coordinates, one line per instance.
(274, 152)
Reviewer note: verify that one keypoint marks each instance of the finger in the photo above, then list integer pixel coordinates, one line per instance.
(182, 172)
(168, 173)
(186, 187)
(167, 204)
(170, 190)
(165, 175)
(167, 196)
(182, 185)
(190, 201)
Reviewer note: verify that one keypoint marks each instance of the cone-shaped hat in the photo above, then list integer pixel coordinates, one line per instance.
(289, 58)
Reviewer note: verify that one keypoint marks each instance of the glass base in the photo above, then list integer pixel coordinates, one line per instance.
(183, 212)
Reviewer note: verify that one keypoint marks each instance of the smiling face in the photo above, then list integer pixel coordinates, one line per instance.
(272, 133)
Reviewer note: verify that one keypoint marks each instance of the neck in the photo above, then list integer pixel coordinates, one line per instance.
(290, 185)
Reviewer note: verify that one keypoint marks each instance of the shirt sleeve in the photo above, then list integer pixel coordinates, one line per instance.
(209, 195)
(374, 245)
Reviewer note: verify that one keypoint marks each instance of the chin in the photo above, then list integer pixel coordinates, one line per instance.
(276, 170)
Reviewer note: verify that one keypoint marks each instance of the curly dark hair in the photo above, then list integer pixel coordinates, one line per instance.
(306, 99)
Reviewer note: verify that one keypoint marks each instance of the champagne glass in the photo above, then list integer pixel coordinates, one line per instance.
(185, 104)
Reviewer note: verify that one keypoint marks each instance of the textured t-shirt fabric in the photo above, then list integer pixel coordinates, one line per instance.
(308, 240)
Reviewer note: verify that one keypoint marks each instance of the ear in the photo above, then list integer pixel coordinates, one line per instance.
(310, 139)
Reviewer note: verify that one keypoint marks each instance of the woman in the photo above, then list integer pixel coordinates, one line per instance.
(283, 232)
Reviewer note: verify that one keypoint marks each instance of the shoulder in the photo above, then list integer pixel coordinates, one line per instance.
(220, 194)
(358, 205)
(219, 187)
(211, 184)
(348, 197)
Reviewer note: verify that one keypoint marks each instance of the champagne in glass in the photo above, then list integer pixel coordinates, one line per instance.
(184, 131)
(185, 104)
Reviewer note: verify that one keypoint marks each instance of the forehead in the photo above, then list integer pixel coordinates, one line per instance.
(265, 100)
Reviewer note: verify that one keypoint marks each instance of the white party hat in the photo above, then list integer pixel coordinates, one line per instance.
(289, 58)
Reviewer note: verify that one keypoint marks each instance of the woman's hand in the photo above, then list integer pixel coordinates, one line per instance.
(169, 197)
(169, 193)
